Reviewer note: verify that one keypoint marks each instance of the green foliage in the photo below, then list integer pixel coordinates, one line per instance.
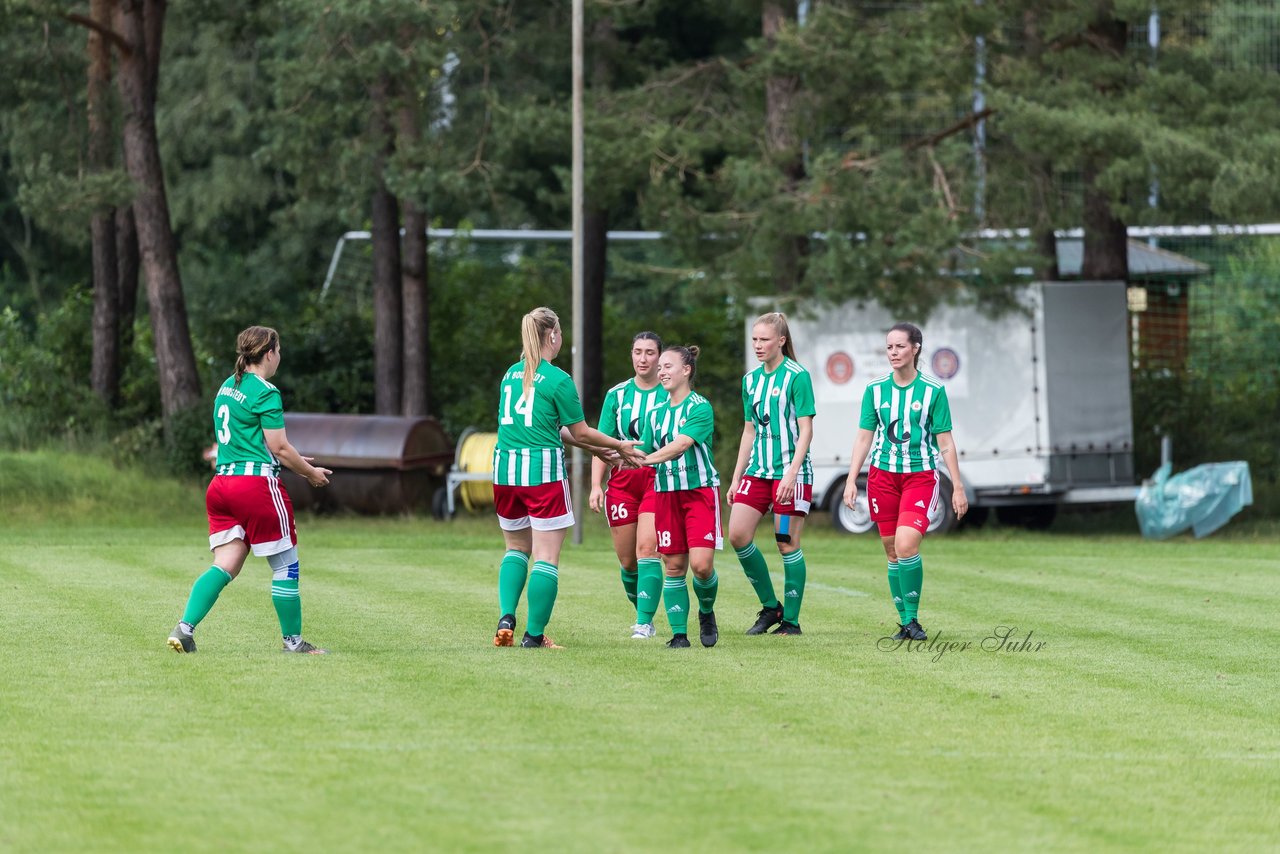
(43, 375)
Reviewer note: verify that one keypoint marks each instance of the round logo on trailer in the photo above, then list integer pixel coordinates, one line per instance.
(839, 367)
(945, 363)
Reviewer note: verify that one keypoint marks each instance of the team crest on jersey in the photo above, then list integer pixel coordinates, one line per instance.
(915, 406)
(777, 391)
(682, 422)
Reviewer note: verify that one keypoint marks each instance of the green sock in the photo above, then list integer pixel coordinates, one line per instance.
(910, 580)
(706, 592)
(675, 595)
(757, 571)
(511, 574)
(543, 584)
(284, 595)
(895, 590)
(794, 572)
(204, 593)
(648, 589)
(630, 580)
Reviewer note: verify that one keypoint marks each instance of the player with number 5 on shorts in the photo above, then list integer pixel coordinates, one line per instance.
(687, 514)
(247, 505)
(906, 427)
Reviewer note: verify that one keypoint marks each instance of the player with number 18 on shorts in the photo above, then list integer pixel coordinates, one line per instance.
(906, 427)
(628, 499)
(686, 483)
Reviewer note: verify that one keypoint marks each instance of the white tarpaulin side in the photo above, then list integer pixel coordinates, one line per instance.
(1087, 367)
(988, 366)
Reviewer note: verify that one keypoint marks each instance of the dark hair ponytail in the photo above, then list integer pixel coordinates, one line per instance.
(914, 335)
(252, 345)
(688, 356)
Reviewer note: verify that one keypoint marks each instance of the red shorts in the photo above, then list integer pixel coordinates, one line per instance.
(629, 493)
(761, 494)
(901, 500)
(252, 508)
(688, 518)
(546, 507)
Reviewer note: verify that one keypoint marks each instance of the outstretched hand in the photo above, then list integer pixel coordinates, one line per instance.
(631, 455)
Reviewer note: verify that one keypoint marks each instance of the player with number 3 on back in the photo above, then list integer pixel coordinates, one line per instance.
(247, 504)
(906, 427)
(536, 401)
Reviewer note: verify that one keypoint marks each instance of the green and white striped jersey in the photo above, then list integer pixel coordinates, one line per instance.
(907, 420)
(239, 417)
(774, 402)
(529, 450)
(627, 407)
(694, 468)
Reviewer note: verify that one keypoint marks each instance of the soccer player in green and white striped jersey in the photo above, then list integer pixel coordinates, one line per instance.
(906, 427)
(628, 501)
(247, 504)
(530, 490)
(686, 484)
(774, 471)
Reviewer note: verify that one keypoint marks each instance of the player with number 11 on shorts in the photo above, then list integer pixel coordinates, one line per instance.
(774, 472)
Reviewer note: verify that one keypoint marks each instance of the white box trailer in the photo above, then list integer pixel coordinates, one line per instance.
(1039, 398)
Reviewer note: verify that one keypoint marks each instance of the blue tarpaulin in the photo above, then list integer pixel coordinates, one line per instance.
(1203, 499)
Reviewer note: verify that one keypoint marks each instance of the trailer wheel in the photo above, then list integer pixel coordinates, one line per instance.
(943, 518)
(857, 520)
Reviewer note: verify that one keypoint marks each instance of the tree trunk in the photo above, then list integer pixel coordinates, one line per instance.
(415, 289)
(175, 359)
(388, 331)
(1106, 239)
(104, 375)
(1047, 244)
(781, 141)
(595, 234)
(595, 246)
(127, 264)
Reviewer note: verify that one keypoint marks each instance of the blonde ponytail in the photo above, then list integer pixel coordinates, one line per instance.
(534, 329)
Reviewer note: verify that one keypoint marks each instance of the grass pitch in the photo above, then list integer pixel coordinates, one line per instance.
(1145, 720)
